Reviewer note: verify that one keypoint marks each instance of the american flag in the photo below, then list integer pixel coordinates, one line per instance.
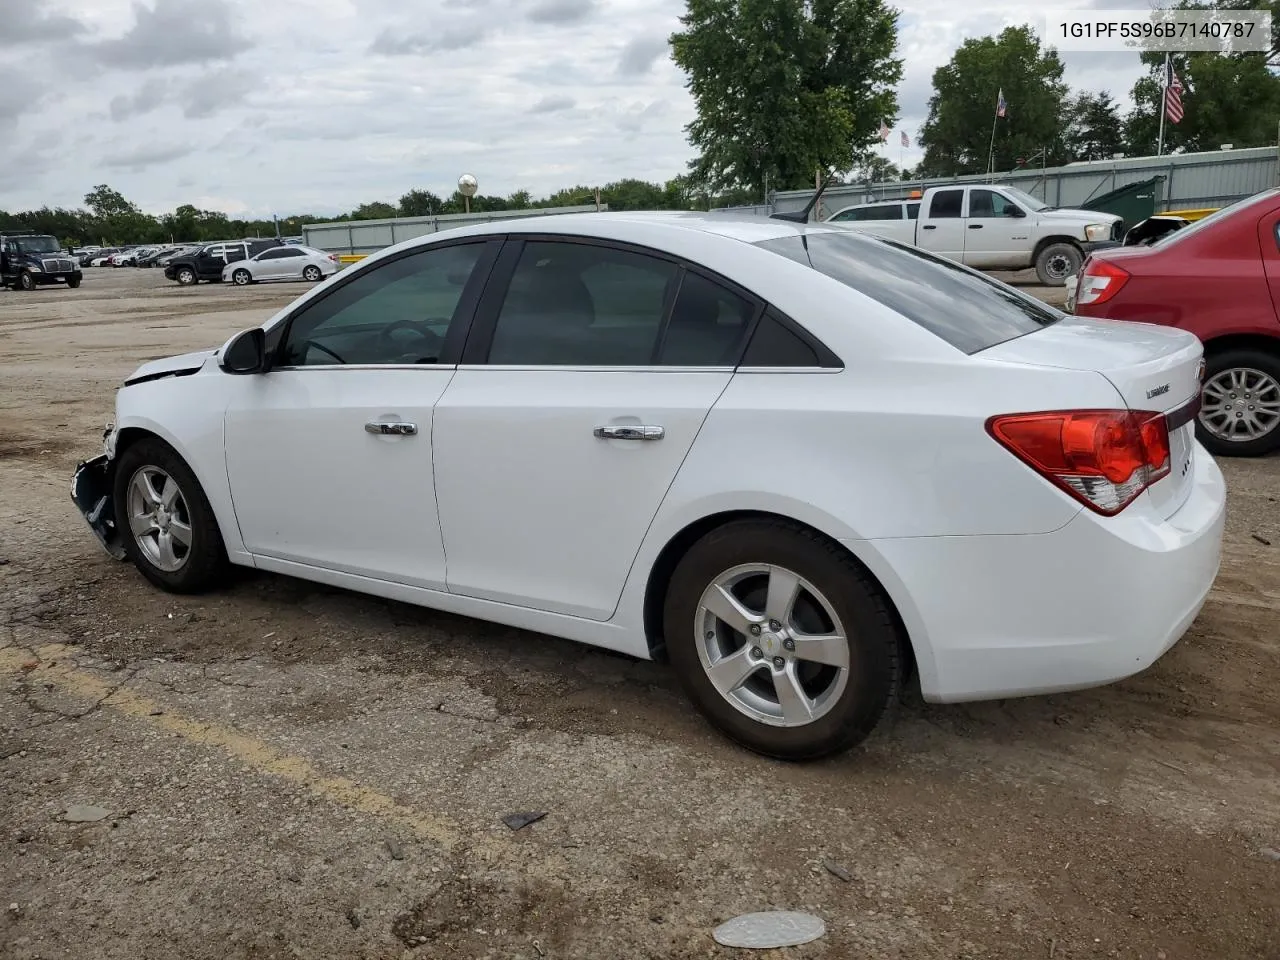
(1001, 106)
(1172, 93)
(906, 141)
(884, 132)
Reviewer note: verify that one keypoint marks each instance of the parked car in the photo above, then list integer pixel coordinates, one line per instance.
(208, 262)
(28, 261)
(103, 257)
(990, 227)
(149, 258)
(1218, 278)
(283, 263)
(169, 256)
(791, 459)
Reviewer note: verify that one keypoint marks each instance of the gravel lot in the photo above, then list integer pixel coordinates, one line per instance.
(285, 770)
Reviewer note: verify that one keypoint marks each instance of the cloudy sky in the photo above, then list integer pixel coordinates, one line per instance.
(278, 106)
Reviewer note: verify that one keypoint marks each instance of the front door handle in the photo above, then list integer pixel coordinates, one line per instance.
(929, 226)
(392, 429)
(628, 431)
(975, 226)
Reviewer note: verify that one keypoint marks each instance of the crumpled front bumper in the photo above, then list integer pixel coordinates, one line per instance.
(91, 491)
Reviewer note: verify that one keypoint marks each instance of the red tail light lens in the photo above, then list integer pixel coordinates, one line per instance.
(1100, 282)
(333, 257)
(1103, 458)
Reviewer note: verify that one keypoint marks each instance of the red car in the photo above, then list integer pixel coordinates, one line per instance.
(1219, 278)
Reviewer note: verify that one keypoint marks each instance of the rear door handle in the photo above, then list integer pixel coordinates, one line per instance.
(629, 431)
(975, 226)
(391, 429)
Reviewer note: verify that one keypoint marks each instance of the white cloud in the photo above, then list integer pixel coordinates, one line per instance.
(318, 105)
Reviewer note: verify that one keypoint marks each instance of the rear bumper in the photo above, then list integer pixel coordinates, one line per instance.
(1096, 601)
(91, 492)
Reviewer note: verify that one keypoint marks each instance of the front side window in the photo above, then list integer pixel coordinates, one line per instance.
(987, 204)
(399, 311)
(575, 304)
(946, 204)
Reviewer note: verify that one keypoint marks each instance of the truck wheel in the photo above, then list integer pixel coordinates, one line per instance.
(26, 281)
(1058, 261)
(186, 276)
(73, 282)
(1240, 404)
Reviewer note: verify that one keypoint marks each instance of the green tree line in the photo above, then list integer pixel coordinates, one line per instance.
(108, 218)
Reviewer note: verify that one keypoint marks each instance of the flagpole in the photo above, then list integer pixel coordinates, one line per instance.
(991, 152)
(1164, 86)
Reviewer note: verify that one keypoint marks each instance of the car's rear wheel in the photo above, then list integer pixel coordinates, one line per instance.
(311, 273)
(782, 639)
(1240, 403)
(1058, 261)
(242, 278)
(186, 276)
(167, 525)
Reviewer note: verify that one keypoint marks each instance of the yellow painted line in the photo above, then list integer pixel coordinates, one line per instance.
(51, 664)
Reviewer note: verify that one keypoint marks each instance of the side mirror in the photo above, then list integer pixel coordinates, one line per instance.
(247, 353)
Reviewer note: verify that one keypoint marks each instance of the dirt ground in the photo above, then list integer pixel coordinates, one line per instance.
(284, 770)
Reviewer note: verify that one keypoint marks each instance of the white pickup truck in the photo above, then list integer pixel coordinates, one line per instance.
(990, 227)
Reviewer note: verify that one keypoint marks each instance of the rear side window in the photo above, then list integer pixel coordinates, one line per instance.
(913, 210)
(773, 345)
(946, 204)
(966, 309)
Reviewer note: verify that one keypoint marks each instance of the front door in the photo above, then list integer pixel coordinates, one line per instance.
(329, 454)
(996, 234)
(588, 375)
(940, 228)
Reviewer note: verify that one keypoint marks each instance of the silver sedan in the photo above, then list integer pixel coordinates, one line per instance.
(282, 263)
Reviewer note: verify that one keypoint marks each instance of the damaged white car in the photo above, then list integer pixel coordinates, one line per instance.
(798, 462)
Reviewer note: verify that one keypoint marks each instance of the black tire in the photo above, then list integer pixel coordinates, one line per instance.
(241, 278)
(204, 563)
(875, 662)
(186, 276)
(312, 273)
(1238, 359)
(73, 282)
(26, 281)
(1056, 262)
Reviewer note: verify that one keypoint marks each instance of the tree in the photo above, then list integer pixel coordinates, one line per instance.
(420, 203)
(1093, 128)
(783, 87)
(957, 136)
(374, 211)
(875, 168)
(1230, 98)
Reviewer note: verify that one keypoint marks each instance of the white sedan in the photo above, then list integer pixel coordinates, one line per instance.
(801, 464)
(282, 263)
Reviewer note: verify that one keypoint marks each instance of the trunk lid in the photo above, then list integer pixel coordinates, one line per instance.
(1153, 368)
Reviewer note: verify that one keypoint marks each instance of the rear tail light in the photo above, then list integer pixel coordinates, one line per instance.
(333, 257)
(1100, 281)
(1103, 458)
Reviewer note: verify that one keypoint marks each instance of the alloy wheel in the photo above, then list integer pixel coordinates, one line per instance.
(1240, 404)
(159, 518)
(772, 645)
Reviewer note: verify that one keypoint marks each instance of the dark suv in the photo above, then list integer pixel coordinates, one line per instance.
(207, 262)
(31, 260)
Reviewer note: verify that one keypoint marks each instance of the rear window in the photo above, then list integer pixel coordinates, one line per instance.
(966, 309)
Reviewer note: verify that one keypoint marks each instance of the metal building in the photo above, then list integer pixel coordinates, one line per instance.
(362, 237)
(1191, 181)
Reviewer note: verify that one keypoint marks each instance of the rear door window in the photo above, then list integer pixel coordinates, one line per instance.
(961, 306)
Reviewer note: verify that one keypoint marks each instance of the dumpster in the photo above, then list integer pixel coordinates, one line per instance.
(1134, 202)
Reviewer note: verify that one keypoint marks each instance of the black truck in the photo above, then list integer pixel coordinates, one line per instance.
(30, 260)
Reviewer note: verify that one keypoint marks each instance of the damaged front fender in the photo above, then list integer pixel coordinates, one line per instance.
(91, 489)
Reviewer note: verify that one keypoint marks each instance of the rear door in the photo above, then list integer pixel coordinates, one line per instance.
(588, 373)
(941, 227)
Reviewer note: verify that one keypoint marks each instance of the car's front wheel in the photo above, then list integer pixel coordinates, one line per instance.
(782, 639)
(1240, 403)
(1056, 262)
(26, 281)
(167, 525)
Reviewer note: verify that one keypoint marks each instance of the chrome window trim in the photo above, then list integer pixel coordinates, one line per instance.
(421, 367)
